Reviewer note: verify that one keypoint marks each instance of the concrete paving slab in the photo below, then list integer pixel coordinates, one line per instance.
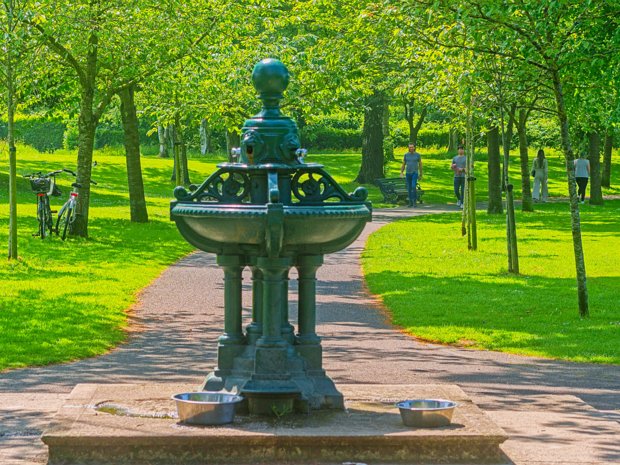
(556, 430)
(369, 430)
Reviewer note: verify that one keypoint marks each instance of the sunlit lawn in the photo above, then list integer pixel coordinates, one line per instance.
(439, 291)
(68, 300)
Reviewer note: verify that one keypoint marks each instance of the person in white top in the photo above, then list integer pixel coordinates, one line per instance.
(541, 174)
(582, 174)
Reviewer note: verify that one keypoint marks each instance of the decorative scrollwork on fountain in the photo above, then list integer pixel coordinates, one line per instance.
(315, 185)
(223, 186)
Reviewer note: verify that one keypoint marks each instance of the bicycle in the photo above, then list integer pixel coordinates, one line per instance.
(67, 214)
(44, 186)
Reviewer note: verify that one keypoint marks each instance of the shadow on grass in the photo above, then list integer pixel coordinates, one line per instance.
(530, 315)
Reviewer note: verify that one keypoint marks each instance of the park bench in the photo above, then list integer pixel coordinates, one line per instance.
(395, 190)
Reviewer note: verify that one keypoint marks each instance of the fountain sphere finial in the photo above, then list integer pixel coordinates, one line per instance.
(270, 77)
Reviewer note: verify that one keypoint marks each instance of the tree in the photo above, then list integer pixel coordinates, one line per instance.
(553, 37)
(372, 140)
(137, 201)
(112, 45)
(410, 112)
(12, 70)
(495, 178)
(606, 176)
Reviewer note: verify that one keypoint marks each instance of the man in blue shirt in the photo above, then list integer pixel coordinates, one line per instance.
(412, 162)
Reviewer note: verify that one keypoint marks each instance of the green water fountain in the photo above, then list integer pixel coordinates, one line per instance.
(270, 211)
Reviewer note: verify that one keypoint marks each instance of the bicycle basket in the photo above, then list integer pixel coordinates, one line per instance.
(56, 192)
(40, 185)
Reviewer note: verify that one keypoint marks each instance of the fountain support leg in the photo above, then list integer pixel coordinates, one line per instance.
(232, 342)
(309, 344)
(255, 328)
(288, 330)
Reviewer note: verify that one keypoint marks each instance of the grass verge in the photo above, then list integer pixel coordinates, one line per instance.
(439, 291)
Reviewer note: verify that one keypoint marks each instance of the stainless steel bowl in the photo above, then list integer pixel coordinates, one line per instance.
(426, 413)
(206, 408)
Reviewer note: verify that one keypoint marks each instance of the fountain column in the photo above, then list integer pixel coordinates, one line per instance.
(309, 344)
(232, 342)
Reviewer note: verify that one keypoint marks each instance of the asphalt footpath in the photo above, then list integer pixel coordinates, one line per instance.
(556, 413)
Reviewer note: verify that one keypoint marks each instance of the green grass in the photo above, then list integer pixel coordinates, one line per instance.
(69, 300)
(439, 291)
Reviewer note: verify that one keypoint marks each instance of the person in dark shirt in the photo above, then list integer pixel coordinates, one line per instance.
(459, 164)
(412, 170)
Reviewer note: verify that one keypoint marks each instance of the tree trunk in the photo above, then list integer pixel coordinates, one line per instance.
(205, 142)
(606, 176)
(413, 137)
(594, 155)
(495, 178)
(137, 202)
(580, 266)
(162, 135)
(506, 145)
(470, 187)
(176, 156)
(10, 85)
(372, 141)
(453, 141)
(510, 214)
(183, 158)
(527, 204)
(409, 114)
(180, 170)
(87, 125)
(232, 140)
(510, 209)
(388, 144)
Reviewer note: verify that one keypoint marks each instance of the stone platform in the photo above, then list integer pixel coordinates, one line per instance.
(118, 424)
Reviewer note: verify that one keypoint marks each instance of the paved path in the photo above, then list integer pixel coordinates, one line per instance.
(555, 412)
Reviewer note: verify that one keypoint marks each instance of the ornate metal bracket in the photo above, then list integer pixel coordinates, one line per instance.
(315, 185)
(223, 186)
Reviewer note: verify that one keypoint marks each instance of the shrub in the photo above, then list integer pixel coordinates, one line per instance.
(43, 134)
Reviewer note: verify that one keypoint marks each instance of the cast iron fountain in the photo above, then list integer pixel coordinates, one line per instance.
(271, 212)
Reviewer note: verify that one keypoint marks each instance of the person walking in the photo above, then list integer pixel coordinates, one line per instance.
(540, 169)
(412, 170)
(459, 164)
(582, 174)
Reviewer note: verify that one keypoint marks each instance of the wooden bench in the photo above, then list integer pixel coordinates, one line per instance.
(395, 190)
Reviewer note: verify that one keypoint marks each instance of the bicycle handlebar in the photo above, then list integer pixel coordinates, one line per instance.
(39, 174)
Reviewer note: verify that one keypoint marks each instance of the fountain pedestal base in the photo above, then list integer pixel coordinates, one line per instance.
(133, 426)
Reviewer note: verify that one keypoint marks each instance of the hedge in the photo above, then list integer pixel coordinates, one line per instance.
(39, 132)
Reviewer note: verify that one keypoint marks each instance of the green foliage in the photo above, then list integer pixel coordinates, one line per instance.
(321, 137)
(40, 132)
(439, 291)
(430, 135)
(108, 134)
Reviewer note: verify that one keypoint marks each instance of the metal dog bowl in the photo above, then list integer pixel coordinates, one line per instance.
(206, 408)
(426, 413)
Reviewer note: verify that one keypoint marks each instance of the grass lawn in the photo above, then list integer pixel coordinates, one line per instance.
(68, 300)
(439, 291)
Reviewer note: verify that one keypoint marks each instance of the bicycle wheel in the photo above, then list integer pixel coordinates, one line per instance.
(61, 218)
(49, 220)
(67, 222)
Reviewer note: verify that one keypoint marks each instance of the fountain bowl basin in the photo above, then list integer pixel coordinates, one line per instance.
(426, 413)
(223, 229)
(206, 408)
